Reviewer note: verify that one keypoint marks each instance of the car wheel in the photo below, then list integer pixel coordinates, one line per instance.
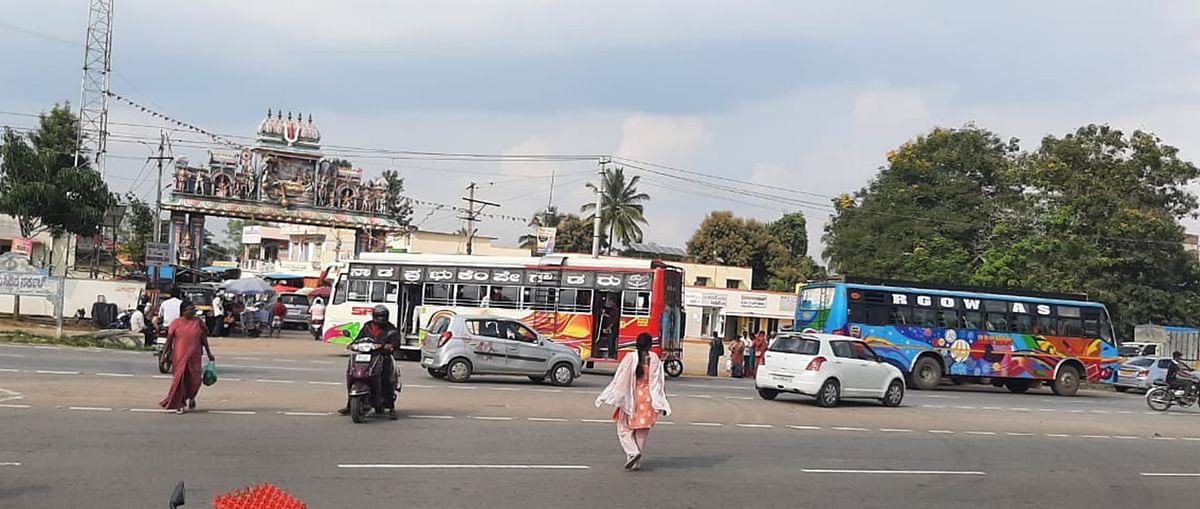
(829, 394)
(1066, 383)
(926, 374)
(1018, 386)
(768, 394)
(894, 394)
(674, 368)
(458, 371)
(562, 375)
(436, 373)
(1120, 388)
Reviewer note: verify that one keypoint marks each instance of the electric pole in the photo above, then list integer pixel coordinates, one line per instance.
(598, 211)
(162, 141)
(472, 215)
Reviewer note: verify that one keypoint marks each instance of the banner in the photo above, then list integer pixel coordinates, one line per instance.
(545, 239)
(23, 247)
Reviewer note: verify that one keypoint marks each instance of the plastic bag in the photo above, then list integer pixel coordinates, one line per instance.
(210, 373)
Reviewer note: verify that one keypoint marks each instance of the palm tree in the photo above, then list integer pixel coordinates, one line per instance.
(550, 217)
(622, 208)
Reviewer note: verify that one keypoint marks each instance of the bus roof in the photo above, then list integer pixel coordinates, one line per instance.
(959, 291)
(509, 261)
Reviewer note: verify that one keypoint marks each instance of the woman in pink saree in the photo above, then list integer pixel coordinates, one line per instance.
(186, 336)
(638, 392)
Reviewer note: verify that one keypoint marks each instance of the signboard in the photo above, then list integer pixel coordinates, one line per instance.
(787, 303)
(752, 301)
(545, 239)
(17, 277)
(158, 254)
(23, 246)
(705, 299)
(252, 235)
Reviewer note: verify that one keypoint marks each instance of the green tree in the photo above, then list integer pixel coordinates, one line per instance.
(399, 208)
(792, 231)
(233, 232)
(622, 208)
(725, 239)
(549, 217)
(212, 251)
(41, 186)
(926, 216)
(574, 235)
(137, 229)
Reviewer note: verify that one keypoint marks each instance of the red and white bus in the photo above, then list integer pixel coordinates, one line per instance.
(583, 302)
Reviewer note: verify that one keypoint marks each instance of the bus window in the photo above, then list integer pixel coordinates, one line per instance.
(1091, 323)
(923, 317)
(1022, 323)
(996, 322)
(385, 292)
(1070, 326)
(360, 291)
(339, 293)
(1045, 325)
(947, 318)
(972, 320)
(900, 316)
(506, 297)
(437, 293)
(469, 295)
(635, 303)
(1068, 311)
(539, 299)
(878, 314)
(1106, 332)
(575, 301)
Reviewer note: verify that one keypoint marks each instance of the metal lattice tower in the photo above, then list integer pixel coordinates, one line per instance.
(93, 93)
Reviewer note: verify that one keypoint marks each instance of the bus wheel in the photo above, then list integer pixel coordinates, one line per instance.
(674, 368)
(1066, 383)
(1018, 386)
(926, 374)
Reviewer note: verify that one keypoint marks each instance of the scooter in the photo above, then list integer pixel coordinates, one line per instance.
(314, 326)
(160, 347)
(363, 374)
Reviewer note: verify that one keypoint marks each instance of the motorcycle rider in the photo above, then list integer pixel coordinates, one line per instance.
(1173, 379)
(381, 330)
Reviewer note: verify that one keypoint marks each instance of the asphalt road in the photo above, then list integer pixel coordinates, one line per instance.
(80, 428)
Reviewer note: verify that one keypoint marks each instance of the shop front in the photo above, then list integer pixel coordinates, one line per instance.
(729, 312)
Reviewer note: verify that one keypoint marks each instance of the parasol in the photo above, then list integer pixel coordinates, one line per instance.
(249, 286)
(284, 289)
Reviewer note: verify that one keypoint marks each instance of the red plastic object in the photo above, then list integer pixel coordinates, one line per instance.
(262, 496)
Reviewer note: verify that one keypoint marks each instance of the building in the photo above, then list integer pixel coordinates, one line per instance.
(728, 311)
(11, 240)
(429, 242)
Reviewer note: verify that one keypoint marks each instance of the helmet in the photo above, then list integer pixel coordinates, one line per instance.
(1176, 354)
(380, 313)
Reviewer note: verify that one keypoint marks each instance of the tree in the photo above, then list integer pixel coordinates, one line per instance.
(573, 235)
(233, 232)
(550, 217)
(622, 208)
(211, 250)
(792, 231)
(41, 186)
(926, 216)
(725, 239)
(399, 208)
(137, 229)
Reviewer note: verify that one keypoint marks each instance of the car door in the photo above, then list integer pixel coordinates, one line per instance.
(849, 369)
(526, 355)
(487, 346)
(874, 372)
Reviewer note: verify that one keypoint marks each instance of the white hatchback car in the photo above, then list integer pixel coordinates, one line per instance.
(829, 367)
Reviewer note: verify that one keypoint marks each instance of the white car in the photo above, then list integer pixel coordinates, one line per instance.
(828, 367)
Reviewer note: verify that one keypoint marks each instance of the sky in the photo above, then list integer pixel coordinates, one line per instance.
(801, 98)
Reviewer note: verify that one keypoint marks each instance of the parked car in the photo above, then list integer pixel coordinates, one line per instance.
(297, 310)
(458, 347)
(1142, 372)
(828, 367)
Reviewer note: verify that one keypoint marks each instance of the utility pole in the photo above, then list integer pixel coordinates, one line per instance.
(158, 187)
(598, 211)
(473, 215)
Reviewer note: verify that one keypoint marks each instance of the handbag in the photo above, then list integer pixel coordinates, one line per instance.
(209, 376)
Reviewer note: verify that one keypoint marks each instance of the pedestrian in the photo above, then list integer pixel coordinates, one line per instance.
(168, 311)
(748, 350)
(737, 358)
(715, 350)
(760, 349)
(316, 315)
(638, 392)
(185, 338)
(218, 315)
(137, 325)
(278, 313)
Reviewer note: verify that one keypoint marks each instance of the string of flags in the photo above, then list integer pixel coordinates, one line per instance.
(215, 137)
(442, 206)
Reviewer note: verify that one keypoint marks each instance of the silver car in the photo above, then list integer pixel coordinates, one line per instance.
(1141, 373)
(457, 347)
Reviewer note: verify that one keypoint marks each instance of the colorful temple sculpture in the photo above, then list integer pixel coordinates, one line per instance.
(283, 178)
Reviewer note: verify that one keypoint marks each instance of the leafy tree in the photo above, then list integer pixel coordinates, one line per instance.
(233, 232)
(211, 250)
(622, 208)
(339, 163)
(41, 186)
(792, 231)
(550, 217)
(724, 239)
(399, 208)
(574, 235)
(137, 229)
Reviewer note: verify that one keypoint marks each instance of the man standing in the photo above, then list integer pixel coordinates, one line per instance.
(168, 311)
(218, 314)
(716, 348)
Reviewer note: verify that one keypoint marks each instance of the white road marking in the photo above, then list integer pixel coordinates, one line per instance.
(269, 381)
(666, 422)
(9, 405)
(1095, 436)
(162, 377)
(709, 424)
(1077, 411)
(244, 359)
(849, 428)
(1100, 412)
(490, 418)
(7, 395)
(549, 419)
(1126, 437)
(121, 375)
(992, 408)
(964, 407)
(90, 408)
(547, 390)
(980, 432)
(419, 386)
(1164, 438)
(895, 430)
(939, 396)
(1191, 439)
(315, 382)
(700, 396)
(802, 427)
(11, 355)
(1057, 435)
(941, 431)
(1016, 434)
(461, 388)
(503, 389)
(285, 360)
(432, 416)
(436, 466)
(933, 406)
(890, 472)
(1019, 409)
(1170, 474)
(54, 372)
(9, 370)
(231, 412)
(756, 426)
(10, 463)
(279, 368)
(1047, 410)
(150, 410)
(321, 362)
(226, 379)
(596, 421)
(1126, 412)
(43, 347)
(739, 397)
(308, 414)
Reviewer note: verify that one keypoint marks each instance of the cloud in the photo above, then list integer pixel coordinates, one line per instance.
(657, 137)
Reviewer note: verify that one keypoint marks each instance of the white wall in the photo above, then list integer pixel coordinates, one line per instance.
(80, 293)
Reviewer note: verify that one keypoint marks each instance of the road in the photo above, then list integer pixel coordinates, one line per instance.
(82, 425)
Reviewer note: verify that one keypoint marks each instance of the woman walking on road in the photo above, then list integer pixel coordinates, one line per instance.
(638, 391)
(186, 336)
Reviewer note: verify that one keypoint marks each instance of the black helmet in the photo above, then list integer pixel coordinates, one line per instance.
(380, 313)
(1176, 354)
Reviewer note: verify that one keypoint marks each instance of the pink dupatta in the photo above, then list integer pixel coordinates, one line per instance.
(622, 390)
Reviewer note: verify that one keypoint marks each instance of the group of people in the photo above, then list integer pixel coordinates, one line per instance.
(746, 354)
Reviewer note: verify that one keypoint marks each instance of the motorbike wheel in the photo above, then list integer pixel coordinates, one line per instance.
(358, 409)
(674, 368)
(1159, 399)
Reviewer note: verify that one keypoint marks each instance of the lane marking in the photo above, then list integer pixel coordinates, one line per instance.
(9, 370)
(802, 427)
(666, 422)
(1164, 438)
(895, 430)
(980, 432)
(1057, 435)
(1017, 434)
(709, 424)
(1191, 439)
(889, 472)
(941, 431)
(321, 362)
(939, 396)
(285, 360)
(277, 368)
(1124, 412)
(11, 355)
(232, 379)
(435, 466)
(739, 397)
(54, 372)
(596, 421)
(10, 463)
(162, 377)
(308, 414)
(700, 396)
(1100, 412)
(549, 419)
(10, 405)
(461, 388)
(1126, 437)
(756, 426)
(150, 410)
(933, 406)
(964, 407)
(848, 428)
(43, 347)
(1095, 436)
(315, 382)
(490, 418)
(121, 375)
(1047, 410)
(1170, 474)
(244, 359)
(90, 408)
(419, 386)
(432, 416)
(1019, 409)
(503, 389)
(231, 412)
(992, 408)
(269, 381)
(548, 390)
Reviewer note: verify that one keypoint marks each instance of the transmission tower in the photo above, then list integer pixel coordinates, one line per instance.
(93, 94)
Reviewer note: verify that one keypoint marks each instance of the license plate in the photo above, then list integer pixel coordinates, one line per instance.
(781, 378)
(362, 357)
(427, 361)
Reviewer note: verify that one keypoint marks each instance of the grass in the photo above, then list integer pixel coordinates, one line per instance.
(83, 341)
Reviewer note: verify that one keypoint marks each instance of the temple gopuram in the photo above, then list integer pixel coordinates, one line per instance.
(283, 178)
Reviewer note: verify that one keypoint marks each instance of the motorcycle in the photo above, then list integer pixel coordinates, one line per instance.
(160, 348)
(1162, 397)
(363, 373)
(314, 326)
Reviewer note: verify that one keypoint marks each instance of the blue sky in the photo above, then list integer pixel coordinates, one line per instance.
(805, 96)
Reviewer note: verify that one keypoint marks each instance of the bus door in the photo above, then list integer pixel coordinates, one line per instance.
(607, 319)
(410, 299)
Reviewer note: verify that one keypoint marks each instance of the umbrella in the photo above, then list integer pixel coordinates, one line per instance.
(283, 289)
(249, 286)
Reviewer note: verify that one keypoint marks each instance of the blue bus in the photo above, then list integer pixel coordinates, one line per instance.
(1008, 338)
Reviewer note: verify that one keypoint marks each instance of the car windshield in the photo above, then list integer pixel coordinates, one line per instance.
(1143, 362)
(795, 344)
(1128, 351)
(295, 300)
